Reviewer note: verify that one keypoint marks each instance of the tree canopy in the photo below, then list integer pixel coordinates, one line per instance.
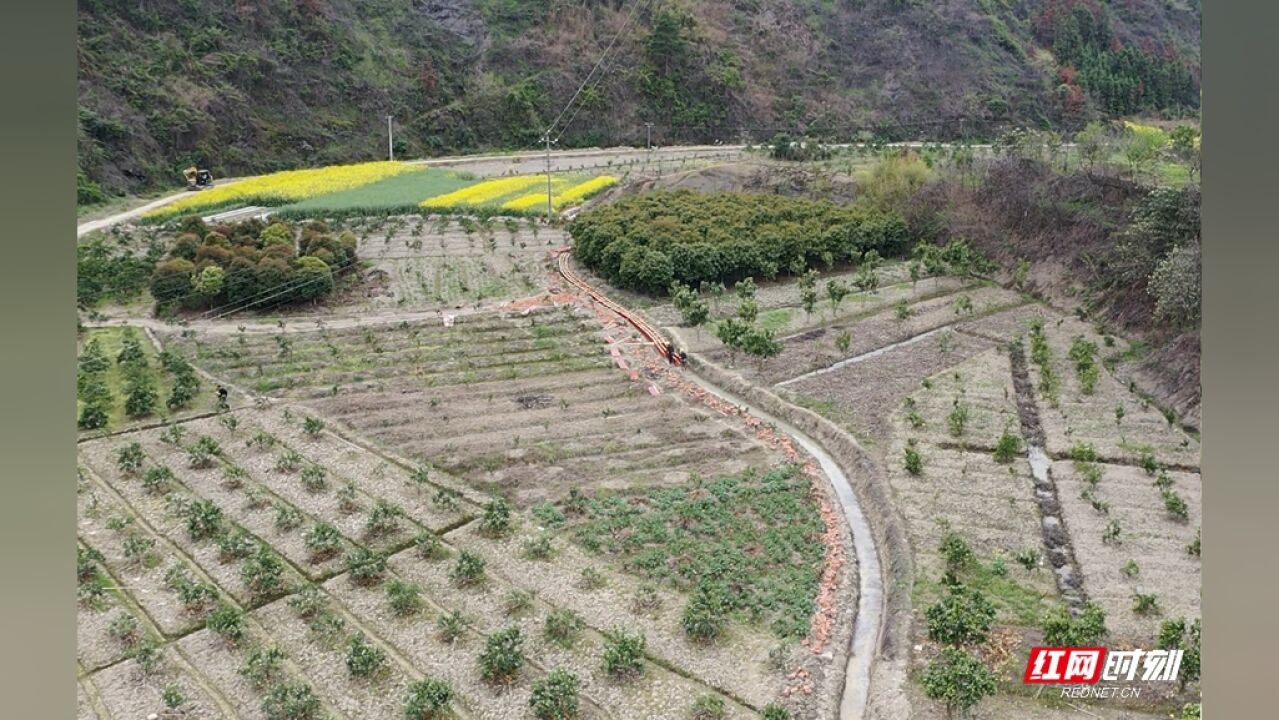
(250, 264)
(645, 242)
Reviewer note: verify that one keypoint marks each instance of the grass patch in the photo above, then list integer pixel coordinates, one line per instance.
(821, 407)
(775, 319)
(754, 539)
(111, 341)
(1017, 604)
(1136, 352)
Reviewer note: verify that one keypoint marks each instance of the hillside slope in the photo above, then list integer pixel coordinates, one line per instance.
(250, 85)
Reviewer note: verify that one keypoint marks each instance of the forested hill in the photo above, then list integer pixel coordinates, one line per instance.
(251, 85)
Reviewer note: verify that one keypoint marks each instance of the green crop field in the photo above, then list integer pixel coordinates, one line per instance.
(400, 193)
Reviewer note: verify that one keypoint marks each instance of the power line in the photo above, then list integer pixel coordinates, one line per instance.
(186, 296)
(288, 286)
(285, 291)
(634, 10)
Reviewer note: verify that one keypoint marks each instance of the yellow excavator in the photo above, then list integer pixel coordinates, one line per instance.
(197, 179)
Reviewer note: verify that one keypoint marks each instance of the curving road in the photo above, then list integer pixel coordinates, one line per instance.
(488, 166)
(525, 162)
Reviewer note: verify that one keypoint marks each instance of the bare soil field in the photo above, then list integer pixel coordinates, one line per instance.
(1149, 536)
(819, 348)
(1120, 424)
(413, 263)
(962, 488)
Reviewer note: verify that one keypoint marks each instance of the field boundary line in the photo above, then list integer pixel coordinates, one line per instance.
(1061, 456)
(95, 700)
(172, 546)
(658, 660)
(953, 326)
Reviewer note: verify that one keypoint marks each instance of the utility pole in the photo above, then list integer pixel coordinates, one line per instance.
(390, 143)
(549, 204)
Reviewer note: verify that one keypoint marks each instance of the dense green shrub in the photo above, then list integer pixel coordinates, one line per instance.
(262, 572)
(227, 622)
(914, 462)
(404, 597)
(503, 655)
(646, 241)
(623, 653)
(1177, 634)
(1007, 447)
(1086, 630)
(129, 458)
(554, 697)
(496, 521)
(323, 541)
(251, 266)
(104, 272)
(705, 614)
(957, 553)
(429, 699)
(291, 701)
(963, 617)
(203, 519)
(364, 566)
(156, 481)
(363, 658)
(958, 680)
(468, 570)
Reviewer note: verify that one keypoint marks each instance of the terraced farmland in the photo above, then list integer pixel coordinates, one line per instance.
(1018, 465)
(228, 530)
(258, 549)
(522, 404)
(122, 382)
(418, 263)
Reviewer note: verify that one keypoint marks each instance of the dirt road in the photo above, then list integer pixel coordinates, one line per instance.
(488, 166)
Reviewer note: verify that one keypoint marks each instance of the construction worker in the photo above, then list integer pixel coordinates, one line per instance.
(222, 398)
(670, 354)
(683, 357)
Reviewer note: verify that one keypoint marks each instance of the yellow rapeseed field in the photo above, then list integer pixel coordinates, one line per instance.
(582, 190)
(487, 191)
(285, 187)
(562, 198)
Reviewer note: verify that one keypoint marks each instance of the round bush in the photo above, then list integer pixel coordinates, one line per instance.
(554, 697)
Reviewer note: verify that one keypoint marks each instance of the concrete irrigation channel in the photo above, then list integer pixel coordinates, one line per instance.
(869, 618)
